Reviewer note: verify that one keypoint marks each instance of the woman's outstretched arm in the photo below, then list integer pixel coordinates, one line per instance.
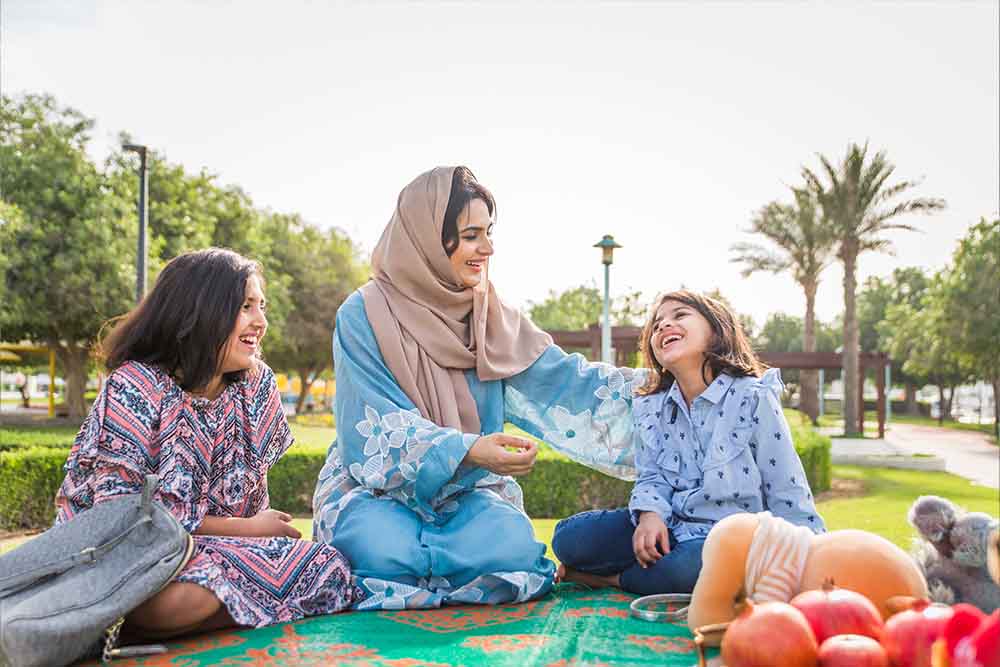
(583, 409)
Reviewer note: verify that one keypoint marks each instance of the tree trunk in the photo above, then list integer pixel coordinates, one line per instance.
(911, 399)
(74, 362)
(851, 343)
(809, 379)
(996, 407)
(951, 402)
(940, 404)
(306, 379)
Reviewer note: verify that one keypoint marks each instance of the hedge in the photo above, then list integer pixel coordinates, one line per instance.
(556, 488)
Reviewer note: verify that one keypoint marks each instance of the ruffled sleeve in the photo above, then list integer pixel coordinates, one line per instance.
(785, 487)
(116, 446)
(272, 435)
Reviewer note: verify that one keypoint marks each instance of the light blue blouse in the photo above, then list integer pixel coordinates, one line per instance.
(731, 452)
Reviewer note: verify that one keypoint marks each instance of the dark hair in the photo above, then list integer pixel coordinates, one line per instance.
(183, 324)
(729, 350)
(464, 188)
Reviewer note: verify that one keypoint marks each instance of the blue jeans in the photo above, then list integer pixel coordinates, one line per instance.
(600, 542)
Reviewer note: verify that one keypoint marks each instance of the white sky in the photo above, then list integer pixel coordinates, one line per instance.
(664, 124)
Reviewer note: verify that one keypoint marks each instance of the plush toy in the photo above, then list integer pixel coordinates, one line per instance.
(768, 558)
(955, 556)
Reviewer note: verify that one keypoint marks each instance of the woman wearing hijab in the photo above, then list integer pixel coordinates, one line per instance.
(417, 490)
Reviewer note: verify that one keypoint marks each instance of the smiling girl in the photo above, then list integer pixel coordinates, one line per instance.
(189, 399)
(714, 442)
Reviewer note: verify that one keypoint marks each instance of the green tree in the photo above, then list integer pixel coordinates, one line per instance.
(970, 294)
(323, 268)
(861, 205)
(579, 307)
(806, 248)
(906, 285)
(70, 267)
(922, 335)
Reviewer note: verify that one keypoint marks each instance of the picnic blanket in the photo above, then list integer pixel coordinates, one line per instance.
(571, 627)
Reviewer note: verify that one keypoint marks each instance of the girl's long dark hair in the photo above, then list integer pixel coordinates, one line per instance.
(183, 324)
(729, 350)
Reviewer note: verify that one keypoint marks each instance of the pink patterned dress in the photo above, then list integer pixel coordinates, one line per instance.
(212, 458)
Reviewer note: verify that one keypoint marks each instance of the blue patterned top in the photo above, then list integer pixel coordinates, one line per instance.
(731, 452)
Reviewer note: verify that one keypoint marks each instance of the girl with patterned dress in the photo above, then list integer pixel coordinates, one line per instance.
(417, 490)
(189, 399)
(713, 442)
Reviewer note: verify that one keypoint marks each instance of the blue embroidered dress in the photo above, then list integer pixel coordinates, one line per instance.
(421, 528)
(731, 452)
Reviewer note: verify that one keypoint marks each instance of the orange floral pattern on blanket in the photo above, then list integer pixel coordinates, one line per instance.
(505, 643)
(611, 597)
(663, 644)
(609, 612)
(460, 619)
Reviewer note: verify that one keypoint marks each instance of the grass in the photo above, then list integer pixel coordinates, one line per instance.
(37, 436)
(888, 495)
(311, 437)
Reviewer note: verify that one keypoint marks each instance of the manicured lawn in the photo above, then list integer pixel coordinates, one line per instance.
(888, 495)
(43, 436)
(309, 437)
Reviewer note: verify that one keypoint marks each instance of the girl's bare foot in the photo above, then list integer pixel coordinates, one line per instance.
(593, 580)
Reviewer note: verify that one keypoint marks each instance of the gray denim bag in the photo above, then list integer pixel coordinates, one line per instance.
(66, 589)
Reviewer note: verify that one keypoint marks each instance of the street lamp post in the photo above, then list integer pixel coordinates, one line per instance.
(607, 246)
(140, 262)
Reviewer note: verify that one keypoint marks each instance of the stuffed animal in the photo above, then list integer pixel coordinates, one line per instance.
(954, 552)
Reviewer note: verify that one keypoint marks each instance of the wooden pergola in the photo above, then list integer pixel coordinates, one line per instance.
(625, 341)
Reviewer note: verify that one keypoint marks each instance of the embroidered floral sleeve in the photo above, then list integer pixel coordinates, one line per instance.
(785, 487)
(582, 409)
(382, 440)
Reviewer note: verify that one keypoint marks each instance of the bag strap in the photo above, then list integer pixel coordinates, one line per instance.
(19, 582)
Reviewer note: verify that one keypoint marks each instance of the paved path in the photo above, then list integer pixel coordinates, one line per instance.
(965, 453)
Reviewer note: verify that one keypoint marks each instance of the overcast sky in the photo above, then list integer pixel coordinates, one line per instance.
(665, 124)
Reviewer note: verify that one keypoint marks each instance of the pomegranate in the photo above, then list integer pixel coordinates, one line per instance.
(852, 651)
(770, 633)
(964, 621)
(910, 634)
(838, 611)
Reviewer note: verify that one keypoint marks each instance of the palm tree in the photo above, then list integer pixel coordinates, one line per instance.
(857, 201)
(807, 246)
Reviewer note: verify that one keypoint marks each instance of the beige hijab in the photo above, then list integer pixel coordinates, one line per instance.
(429, 327)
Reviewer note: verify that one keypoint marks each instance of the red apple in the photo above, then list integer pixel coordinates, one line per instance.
(838, 611)
(910, 634)
(852, 651)
(770, 633)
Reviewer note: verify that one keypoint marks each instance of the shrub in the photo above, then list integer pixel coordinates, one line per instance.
(813, 449)
(31, 471)
(29, 478)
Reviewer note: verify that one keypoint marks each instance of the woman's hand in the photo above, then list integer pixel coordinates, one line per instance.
(272, 523)
(490, 452)
(650, 532)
